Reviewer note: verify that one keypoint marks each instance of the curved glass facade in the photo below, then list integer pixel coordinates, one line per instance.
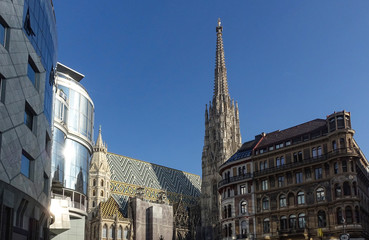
(40, 29)
(73, 134)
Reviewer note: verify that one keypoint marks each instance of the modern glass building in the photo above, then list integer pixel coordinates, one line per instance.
(28, 44)
(72, 149)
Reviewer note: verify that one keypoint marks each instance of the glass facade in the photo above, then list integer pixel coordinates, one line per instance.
(73, 134)
(39, 27)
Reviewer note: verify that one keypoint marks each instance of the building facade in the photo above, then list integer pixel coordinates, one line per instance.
(146, 197)
(309, 181)
(222, 139)
(28, 44)
(72, 149)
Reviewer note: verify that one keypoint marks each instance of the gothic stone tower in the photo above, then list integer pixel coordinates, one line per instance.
(222, 139)
(99, 175)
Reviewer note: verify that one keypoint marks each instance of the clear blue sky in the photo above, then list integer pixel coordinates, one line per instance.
(149, 68)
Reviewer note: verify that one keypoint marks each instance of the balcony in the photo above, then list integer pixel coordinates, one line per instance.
(234, 179)
(306, 161)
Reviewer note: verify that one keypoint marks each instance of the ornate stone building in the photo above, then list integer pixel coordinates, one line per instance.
(309, 181)
(222, 139)
(129, 199)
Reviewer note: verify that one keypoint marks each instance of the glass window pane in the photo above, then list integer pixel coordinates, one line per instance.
(2, 34)
(25, 166)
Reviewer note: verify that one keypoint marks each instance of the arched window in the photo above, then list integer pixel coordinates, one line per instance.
(229, 210)
(319, 151)
(93, 203)
(126, 233)
(243, 207)
(292, 222)
(102, 182)
(334, 145)
(104, 230)
(282, 201)
(336, 168)
(120, 234)
(302, 220)
(291, 199)
(111, 232)
(337, 190)
(346, 189)
(94, 182)
(357, 214)
(339, 216)
(320, 194)
(225, 212)
(266, 225)
(283, 223)
(342, 143)
(93, 192)
(265, 203)
(102, 193)
(300, 198)
(314, 152)
(226, 230)
(322, 221)
(348, 214)
(344, 166)
(243, 229)
(230, 229)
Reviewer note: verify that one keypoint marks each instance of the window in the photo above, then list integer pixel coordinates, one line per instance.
(3, 29)
(300, 198)
(282, 201)
(261, 165)
(230, 229)
(104, 235)
(300, 156)
(28, 116)
(126, 233)
(229, 210)
(102, 182)
(334, 145)
(31, 72)
(307, 173)
(102, 193)
(225, 212)
(243, 207)
(339, 216)
(302, 220)
(93, 192)
(288, 143)
(226, 230)
(283, 223)
(94, 182)
(344, 166)
(278, 162)
(280, 181)
(271, 148)
(340, 122)
(346, 189)
(264, 185)
(46, 184)
(295, 157)
(243, 229)
(320, 194)
(319, 151)
(332, 124)
(337, 190)
(318, 173)
(354, 187)
(112, 232)
(26, 165)
(292, 222)
(93, 204)
(336, 168)
(342, 143)
(120, 230)
(299, 177)
(265, 203)
(266, 225)
(243, 189)
(2, 89)
(322, 221)
(314, 152)
(348, 214)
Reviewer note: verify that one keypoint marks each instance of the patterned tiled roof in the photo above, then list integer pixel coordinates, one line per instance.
(110, 209)
(128, 174)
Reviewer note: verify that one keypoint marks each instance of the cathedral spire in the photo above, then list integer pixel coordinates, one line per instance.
(220, 81)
